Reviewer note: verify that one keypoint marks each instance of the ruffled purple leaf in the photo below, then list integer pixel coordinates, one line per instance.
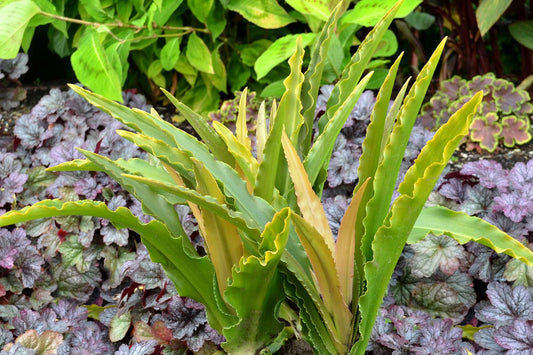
(490, 173)
(506, 304)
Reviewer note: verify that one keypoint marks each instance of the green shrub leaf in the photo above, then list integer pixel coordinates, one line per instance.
(14, 17)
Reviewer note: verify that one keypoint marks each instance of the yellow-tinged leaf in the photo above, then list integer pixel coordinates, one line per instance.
(323, 264)
(345, 248)
(273, 113)
(261, 132)
(224, 246)
(241, 125)
(308, 202)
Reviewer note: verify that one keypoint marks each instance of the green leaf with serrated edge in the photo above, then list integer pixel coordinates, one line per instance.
(279, 51)
(215, 143)
(152, 203)
(392, 115)
(198, 54)
(256, 290)
(192, 275)
(273, 169)
(251, 229)
(390, 238)
(76, 165)
(242, 155)
(263, 13)
(318, 158)
(308, 202)
(176, 158)
(224, 246)
(464, 228)
(14, 17)
(316, 8)
(252, 207)
(93, 67)
(313, 78)
(488, 12)
(354, 70)
(389, 166)
(313, 326)
(326, 275)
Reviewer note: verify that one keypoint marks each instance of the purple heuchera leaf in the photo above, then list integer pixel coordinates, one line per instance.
(29, 263)
(521, 175)
(9, 164)
(11, 244)
(344, 162)
(436, 251)
(10, 186)
(88, 338)
(140, 348)
(513, 205)
(29, 130)
(335, 207)
(454, 189)
(506, 304)
(143, 271)
(489, 172)
(87, 187)
(485, 338)
(439, 337)
(517, 337)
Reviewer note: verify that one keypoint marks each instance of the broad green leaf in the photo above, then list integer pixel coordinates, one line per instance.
(464, 228)
(94, 10)
(488, 12)
(252, 51)
(369, 12)
(93, 67)
(203, 97)
(219, 78)
(192, 275)
(200, 8)
(216, 20)
(328, 283)
(358, 64)
(186, 69)
(279, 52)
(263, 13)
(224, 246)
(119, 326)
(387, 171)
(198, 54)
(419, 181)
(170, 53)
(522, 31)
(215, 143)
(14, 17)
(308, 202)
(316, 8)
(256, 291)
(388, 45)
(348, 255)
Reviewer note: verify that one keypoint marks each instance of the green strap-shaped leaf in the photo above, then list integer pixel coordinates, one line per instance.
(387, 171)
(390, 239)
(207, 202)
(313, 78)
(192, 275)
(353, 71)
(224, 246)
(153, 204)
(93, 67)
(464, 228)
(273, 169)
(14, 17)
(318, 158)
(256, 290)
(204, 130)
(76, 165)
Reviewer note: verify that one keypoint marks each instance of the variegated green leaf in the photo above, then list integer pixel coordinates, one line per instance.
(464, 228)
(256, 290)
(241, 129)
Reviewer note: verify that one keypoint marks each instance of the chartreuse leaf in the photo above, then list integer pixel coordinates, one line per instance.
(241, 130)
(353, 71)
(464, 228)
(390, 238)
(316, 8)
(263, 13)
(191, 274)
(308, 202)
(203, 129)
(273, 169)
(368, 12)
(242, 155)
(198, 54)
(389, 166)
(317, 160)
(76, 165)
(224, 246)
(327, 280)
(313, 77)
(14, 17)
(119, 326)
(94, 68)
(261, 132)
(348, 255)
(256, 290)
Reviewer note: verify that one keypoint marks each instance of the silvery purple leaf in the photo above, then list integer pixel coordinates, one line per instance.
(506, 304)
(489, 172)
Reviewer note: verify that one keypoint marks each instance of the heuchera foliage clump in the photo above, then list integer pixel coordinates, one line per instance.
(77, 284)
(503, 116)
